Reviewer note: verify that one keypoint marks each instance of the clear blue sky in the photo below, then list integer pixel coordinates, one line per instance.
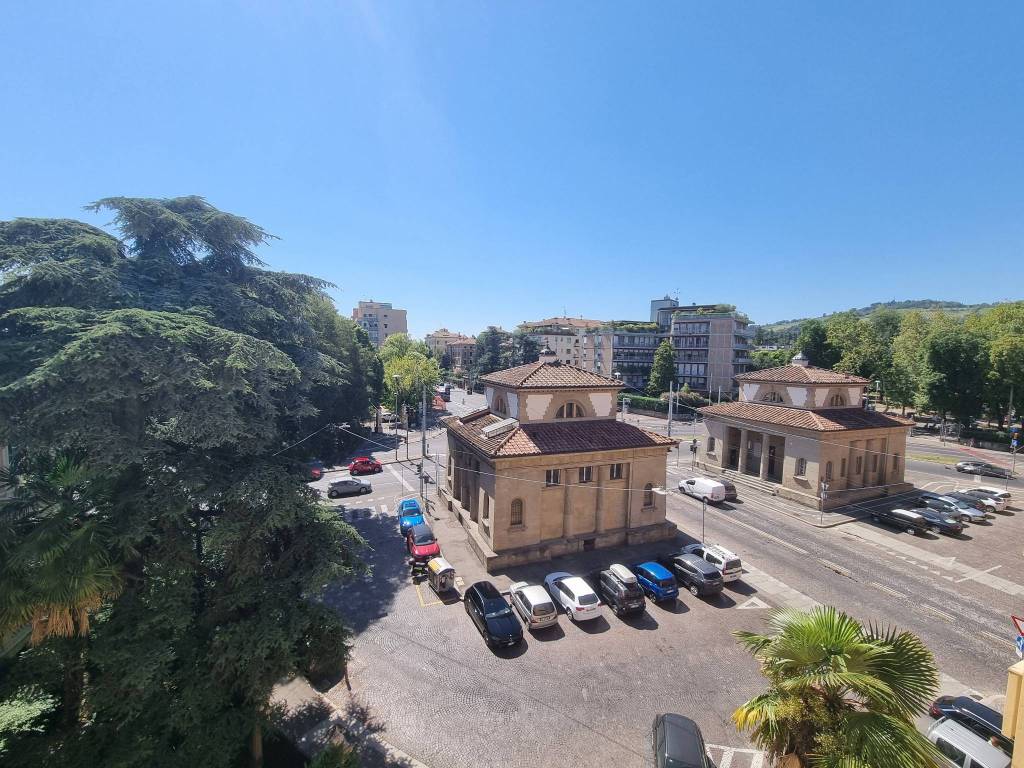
(483, 163)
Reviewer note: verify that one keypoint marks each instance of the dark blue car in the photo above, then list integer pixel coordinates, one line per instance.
(655, 580)
(409, 514)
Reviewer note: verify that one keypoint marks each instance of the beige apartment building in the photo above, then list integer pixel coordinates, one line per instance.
(567, 337)
(380, 320)
(802, 433)
(546, 469)
(438, 341)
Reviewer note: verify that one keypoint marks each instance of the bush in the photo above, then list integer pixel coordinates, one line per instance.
(686, 401)
(991, 435)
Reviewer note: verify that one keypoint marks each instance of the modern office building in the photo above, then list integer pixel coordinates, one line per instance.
(380, 320)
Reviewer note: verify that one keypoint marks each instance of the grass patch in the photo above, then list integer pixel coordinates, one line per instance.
(934, 458)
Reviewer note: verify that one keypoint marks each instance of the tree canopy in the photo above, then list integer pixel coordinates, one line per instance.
(663, 371)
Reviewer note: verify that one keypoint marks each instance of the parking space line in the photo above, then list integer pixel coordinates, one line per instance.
(420, 596)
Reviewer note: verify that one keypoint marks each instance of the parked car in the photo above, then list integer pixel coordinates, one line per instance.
(409, 515)
(618, 587)
(974, 716)
(315, 468)
(577, 599)
(985, 505)
(997, 493)
(656, 581)
(982, 468)
(911, 521)
(963, 748)
(347, 487)
(941, 521)
(947, 508)
(421, 543)
(730, 490)
(1000, 500)
(492, 615)
(678, 743)
(968, 512)
(725, 561)
(702, 488)
(364, 465)
(533, 604)
(388, 417)
(693, 572)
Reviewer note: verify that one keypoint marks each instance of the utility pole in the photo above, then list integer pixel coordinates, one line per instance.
(423, 444)
(719, 393)
(398, 414)
(670, 396)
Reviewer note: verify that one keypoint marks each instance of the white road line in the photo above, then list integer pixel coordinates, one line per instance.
(402, 480)
(937, 612)
(767, 535)
(887, 590)
(978, 573)
(383, 509)
(833, 567)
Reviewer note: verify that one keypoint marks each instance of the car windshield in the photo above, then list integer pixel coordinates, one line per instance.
(732, 565)
(590, 599)
(666, 583)
(424, 538)
(496, 612)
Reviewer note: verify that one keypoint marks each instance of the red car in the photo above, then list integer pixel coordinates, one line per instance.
(364, 465)
(421, 543)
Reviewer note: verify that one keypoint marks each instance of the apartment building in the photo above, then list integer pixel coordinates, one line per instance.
(567, 338)
(380, 320)
(712, 344)
(438, 341)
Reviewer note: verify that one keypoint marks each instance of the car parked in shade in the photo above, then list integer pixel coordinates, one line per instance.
(982, 468)
(941, 521)
(348, 487)
(968, 511)
(1000, 499)
(421, 543)
(720, 557)
(694, 573)
(364, 465)
(409, 515)
(576, 597)
(678, 743)
(656, 581)
(533, 604)
(974, 716)
(492, 615)
(315, 468)
(911, 521)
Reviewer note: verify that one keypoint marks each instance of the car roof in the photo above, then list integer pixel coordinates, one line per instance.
(968, 741)
(535, 593)
(622, 573)
(721, 551)
(657, 570)
(577, 585)
(419, 529)
(683, 739)
(979, 710)
(408, 503)
(487, 590)
(905, 512)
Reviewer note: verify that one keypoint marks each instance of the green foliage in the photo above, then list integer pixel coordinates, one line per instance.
(685, 402)
(21, 715)
(958, 360)
(839, 694)
(770, 358)
(631, 326)
(159, 390)
(663, 371)
(815, 344)
(497, 350)
(336, 756)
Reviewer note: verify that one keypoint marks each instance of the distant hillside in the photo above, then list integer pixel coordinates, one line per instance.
(784, 331)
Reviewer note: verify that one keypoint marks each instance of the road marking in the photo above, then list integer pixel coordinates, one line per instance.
(937, 612)
(887, 590)
(1002, 642)
(402, 480)
(833, 567)
(978, 573)
(767, 535)
(420, 596)
(753, 602)
(383, 509)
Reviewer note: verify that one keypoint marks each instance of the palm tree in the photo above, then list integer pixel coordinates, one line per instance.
(55, 562)
(839, 694)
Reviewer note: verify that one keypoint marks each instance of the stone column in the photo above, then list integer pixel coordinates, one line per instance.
(599, 501)
(764, 455)
(566, 502)
(742, 465)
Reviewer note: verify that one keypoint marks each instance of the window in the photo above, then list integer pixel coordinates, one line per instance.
(648, 495)
(711, 445)
(499, 404)
(858, 465)
(801, 467)
(552, 477)
(842, 468)
(837, 400)
(586, 474)
(950, 751)
(616, 472)
(895, 462)
(569, 411)
(828, 470)
(516, 518)
(772, 397)
(874, 462)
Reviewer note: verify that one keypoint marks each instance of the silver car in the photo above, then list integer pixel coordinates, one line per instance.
(967, 511)
(533, 604)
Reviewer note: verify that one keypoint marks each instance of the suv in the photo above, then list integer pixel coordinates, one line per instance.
(656, 582)
(492, 615)
(911, 522)
(678, 742)
(533, 604)
(720, 557)
(999, 500)
(982, 504)
(961, 747)
(619, 589)
(694, 572)
(974, 716)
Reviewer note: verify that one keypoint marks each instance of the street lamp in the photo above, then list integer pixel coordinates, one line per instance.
(398, 413)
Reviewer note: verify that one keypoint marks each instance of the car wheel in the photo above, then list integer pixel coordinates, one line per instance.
(965, 518)
(365, 490)
(874, 518)
(693, 590)
(332, 495)
(704, 499)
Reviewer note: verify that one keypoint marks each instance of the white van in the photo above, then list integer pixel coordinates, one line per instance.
(711, 491)
(965, 749)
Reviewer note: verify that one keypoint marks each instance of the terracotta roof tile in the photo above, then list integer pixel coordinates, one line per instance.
(798, 374)
(825, 420)
(541, 375)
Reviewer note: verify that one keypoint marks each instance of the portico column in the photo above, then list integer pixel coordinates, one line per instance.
(764, 455)
(599, 506)
(742, 465)
(567, 503)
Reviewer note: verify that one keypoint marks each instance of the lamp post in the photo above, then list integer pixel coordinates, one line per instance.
(703, 511)
(398, 413)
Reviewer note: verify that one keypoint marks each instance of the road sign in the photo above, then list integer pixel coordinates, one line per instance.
(1018, 622)
(1013, 443)
(1020, 646)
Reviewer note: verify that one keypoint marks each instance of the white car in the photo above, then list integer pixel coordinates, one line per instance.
(577, 599)
(720, 557)
(533, 604)
(1001, 499)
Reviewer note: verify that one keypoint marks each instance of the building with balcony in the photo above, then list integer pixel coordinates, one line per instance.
(380, 320)
(801, 432)
(567, 338)
(438, 341)
(546, 469)
(712, 344)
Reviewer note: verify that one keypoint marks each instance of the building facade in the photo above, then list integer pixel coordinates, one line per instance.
(566, 337)
(380, 320)
(438, 341)
(802, 433)
(461, 353)
(546, 469)
(712, 345)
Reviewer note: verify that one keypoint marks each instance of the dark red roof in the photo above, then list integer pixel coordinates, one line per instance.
(824, 420)
(541, 375)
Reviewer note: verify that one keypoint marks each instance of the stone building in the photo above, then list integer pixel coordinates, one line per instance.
(546, 469)
(380, 320)
(801, 431)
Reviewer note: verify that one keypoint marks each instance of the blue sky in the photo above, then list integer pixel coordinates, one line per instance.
(481, 163)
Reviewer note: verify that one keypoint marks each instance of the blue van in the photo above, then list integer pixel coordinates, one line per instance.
(655, 580)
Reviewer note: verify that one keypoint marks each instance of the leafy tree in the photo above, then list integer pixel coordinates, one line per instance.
(770, 358)
(859, 348)
(489, 355)
(445, 362)
(1002, 328)
(907, 381)
(184, 380)
(813, 341)
(522, 349)
(839, 694)
(958, 360)
(663, 371)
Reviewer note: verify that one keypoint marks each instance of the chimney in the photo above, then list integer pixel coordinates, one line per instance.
(547, 356)
(800, 359)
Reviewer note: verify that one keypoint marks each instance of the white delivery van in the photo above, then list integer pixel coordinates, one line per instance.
(711, 491)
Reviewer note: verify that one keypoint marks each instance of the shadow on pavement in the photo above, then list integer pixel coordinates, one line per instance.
(594, 626)
(677, 606)
(640, 621)
(548, 634)
(721, 600)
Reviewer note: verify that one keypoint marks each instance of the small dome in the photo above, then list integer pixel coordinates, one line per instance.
(800, 359)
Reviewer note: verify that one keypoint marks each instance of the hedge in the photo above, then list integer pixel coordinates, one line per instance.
(686, 402)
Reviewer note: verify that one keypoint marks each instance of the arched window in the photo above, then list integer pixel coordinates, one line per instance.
(648, 495)
(837, 400)
(772, 397)
(570, 410)
(499, 404)
(516, 517)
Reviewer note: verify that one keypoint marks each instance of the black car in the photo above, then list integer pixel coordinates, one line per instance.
(974, 716)
(492, 615)
(347, 488)
(693, 572)
(678, 743)
(623, 596)
(982, 468)
(941, 521)
(910, 520)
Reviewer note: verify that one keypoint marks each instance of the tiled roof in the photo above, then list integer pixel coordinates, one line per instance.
(554, 438)
(798, 374)
(541, 375)
(825, 420)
